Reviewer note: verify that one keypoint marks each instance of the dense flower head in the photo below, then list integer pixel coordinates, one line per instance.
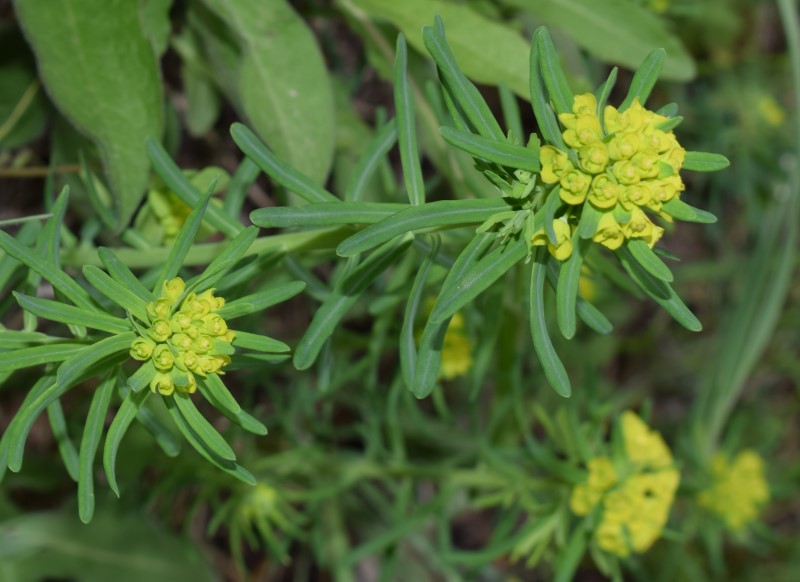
(739, 490)
(185, 337)
(634, 496)
(622, 165)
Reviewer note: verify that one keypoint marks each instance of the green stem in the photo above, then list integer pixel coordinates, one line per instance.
(202, 254)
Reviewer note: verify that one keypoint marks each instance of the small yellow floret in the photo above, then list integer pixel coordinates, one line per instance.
(739, 491)
(563, 247)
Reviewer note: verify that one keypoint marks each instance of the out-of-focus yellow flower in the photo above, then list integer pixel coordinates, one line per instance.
(770, 111)
(456, 350)
(634, 500)
(739, 490)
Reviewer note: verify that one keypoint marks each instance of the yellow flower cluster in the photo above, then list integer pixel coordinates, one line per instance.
(183, 341)
(621, 165)
(636, 496)
(456, 350)
(170, 211)
(739, 489)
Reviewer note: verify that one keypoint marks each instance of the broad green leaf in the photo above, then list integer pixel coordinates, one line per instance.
(679, 209)
(561, 95)
(325, 214)
(567, 288)
(477, 279)
(260, 343)
(26, 357)
(56, 311)
(119, 294)
(210, 438)
(649, 261)
(156, 24)
(66, 448)
(57, 277)
(619, 33)
(92, 433)
(261, 300)
(370, 160)
(183, 188)
(704, 162)
(23, 105)
(105, 78)
(283, 83)
(644, 79)
(661, 292)
(119, 426)
(342, 299)
(406, 127)
(430, 215)
(499, 152)
(284, 174)
(551, 364)
(499, 56)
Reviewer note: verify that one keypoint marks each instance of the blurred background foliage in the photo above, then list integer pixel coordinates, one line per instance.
(357, 479)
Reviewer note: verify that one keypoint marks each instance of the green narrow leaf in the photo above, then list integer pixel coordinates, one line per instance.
(551, 365)
(499, 152)
(184, 241)
(671, 124)
(179, 184)
(142, 376)
(644, 79)
(246, 173)
(430, 215)
(92, 433)
(119, 426)
(71, 370)
(555, 81)
(26, 357)
(551, 205)
(370, 160)
(429, 358)
(704, 162)
(679, 209)
(661, 292)
(587, 312)
(570, 557)
(214, 390)
(477, 279)
(61, 312)
(590, 218)
(86, 68)
(649, 261)
(27, 235)
(261, 300)
(160, 433)
(260, 343)
(279, 171)
(66, 448)
(16, 434)
(57, 277)
(567, 288)
(542, 110)
(408, 347)
(210, 438)
(122, 275)
(602, 94)
(324, 214)
(511, 115)
(229, 467)
(342, 299)
(233, 251)
(463, 91)
(406, 127)
(283, 84)
(119, 294)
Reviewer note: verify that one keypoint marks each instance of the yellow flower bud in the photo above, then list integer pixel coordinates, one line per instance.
(574, 187)
(142, 348)
(202, 344)
(563, 247)
(554, 164)
(604, 192)
(213, 324)
(159, 309)
(635, 195)
(640, 226)
(609, 233)
(162, 383)
(594, 158)
(647, 163)
(181, 341)
(163, 358)
(624, 146)
(173, 289)
(626, 172)
(160, 330)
